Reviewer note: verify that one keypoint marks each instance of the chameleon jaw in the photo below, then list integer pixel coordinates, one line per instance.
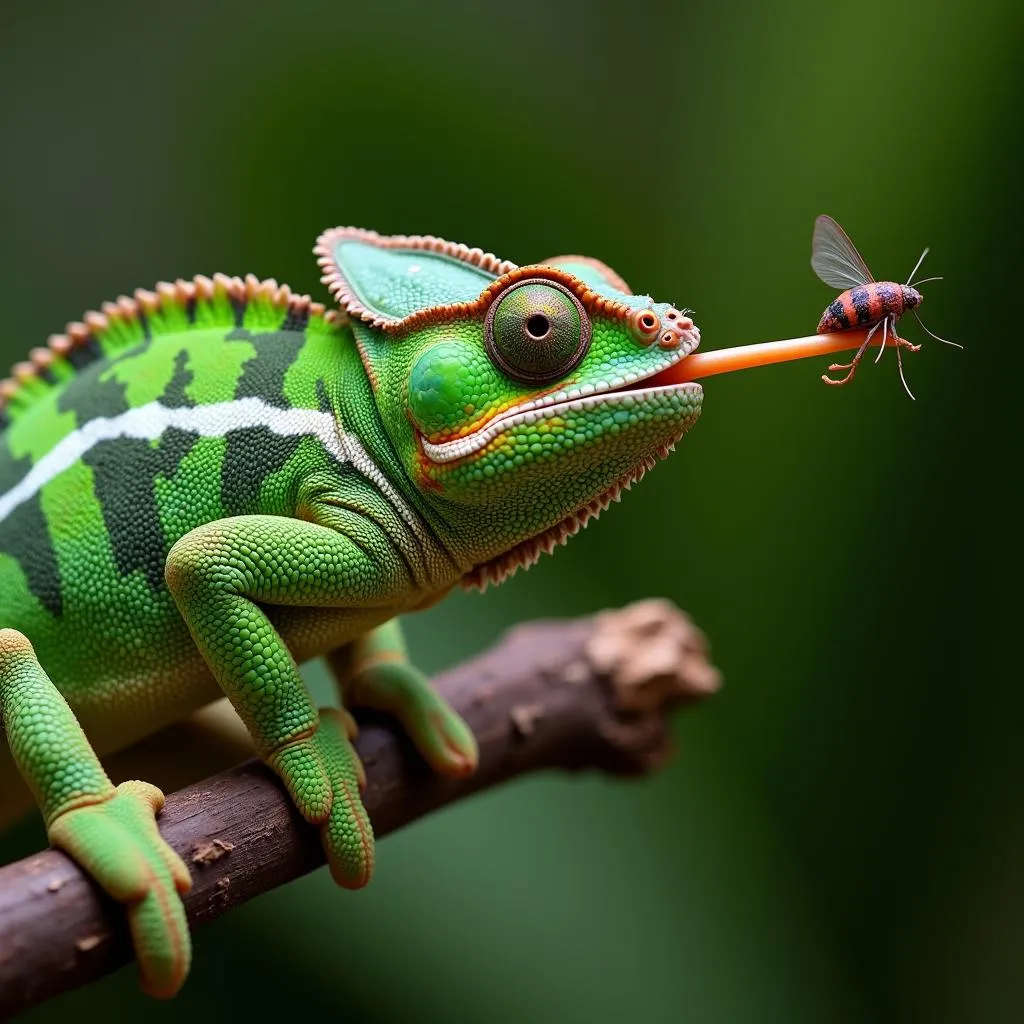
(547, 406)
(529, 551)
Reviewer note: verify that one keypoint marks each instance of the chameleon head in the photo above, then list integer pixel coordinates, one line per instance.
(519, 398)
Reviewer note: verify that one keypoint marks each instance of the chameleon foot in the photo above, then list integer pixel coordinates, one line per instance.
(324, 776)
(116, 840)
(440, 734)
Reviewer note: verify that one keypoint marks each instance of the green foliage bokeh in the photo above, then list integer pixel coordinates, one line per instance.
(842, 834)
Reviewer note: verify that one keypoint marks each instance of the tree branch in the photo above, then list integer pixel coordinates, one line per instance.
(583, 694)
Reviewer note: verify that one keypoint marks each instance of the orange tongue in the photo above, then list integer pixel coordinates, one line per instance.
(745, 357)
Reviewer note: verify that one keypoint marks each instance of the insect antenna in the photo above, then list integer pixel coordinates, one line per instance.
(925, 280)
(917, 266)
(944, 341)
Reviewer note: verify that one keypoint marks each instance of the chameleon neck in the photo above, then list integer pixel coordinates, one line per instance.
(421, 531)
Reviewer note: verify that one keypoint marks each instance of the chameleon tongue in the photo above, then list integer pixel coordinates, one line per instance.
(745, 357)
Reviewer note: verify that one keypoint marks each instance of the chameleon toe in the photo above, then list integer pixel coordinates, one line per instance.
(447, 743)
(347, 835)
(117, 841)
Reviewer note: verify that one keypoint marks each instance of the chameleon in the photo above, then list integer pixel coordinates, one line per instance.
(205, 485)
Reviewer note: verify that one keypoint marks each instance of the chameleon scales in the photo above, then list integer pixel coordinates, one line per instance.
(202, 486)
(205, 485)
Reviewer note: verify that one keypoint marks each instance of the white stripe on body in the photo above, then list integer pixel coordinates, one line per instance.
(148, 422)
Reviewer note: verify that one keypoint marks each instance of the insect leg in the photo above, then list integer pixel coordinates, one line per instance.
(885, 337)
(901, 344)
(851, 367)
(899, 360)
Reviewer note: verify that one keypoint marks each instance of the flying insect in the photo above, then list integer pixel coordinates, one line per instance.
(864, 301)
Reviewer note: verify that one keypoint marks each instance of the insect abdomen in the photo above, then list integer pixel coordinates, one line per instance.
(862, 307)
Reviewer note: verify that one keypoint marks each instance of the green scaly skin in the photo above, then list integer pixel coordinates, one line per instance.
(205, 486)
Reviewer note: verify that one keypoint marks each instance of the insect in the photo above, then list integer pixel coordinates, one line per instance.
(864, 302)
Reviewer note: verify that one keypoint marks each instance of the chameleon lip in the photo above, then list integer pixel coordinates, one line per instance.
(574, 400)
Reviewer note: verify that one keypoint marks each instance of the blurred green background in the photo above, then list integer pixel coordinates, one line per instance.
(842, 836)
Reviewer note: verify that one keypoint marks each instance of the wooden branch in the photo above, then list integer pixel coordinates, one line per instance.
(583, 694)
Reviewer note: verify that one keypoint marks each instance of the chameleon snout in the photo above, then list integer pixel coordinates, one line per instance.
(677, 330)
(670, 328)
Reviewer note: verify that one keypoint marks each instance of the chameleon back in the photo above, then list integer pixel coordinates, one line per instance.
(158, 416)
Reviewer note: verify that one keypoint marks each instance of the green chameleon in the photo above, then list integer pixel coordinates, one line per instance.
(205, 485)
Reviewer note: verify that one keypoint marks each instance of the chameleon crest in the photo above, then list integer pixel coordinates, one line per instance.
(205, 485)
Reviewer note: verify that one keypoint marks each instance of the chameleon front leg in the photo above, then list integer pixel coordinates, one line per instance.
(374, 672)
(111, 831)
(219, 575)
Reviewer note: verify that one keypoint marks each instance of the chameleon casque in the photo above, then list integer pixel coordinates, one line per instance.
(205, 485)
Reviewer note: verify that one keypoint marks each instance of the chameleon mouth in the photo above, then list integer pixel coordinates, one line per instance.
(616, 389)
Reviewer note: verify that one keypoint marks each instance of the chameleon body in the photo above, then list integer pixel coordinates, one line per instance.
(202, 486)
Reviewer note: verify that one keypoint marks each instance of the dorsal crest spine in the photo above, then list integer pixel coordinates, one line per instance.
(178, 306)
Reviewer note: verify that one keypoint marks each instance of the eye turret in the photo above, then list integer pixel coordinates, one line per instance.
(537, 331)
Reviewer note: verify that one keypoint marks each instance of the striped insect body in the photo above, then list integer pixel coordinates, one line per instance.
(864, 302)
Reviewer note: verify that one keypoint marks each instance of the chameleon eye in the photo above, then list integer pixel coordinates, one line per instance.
(537, 331)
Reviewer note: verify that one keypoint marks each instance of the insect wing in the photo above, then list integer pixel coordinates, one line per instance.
(835, 258)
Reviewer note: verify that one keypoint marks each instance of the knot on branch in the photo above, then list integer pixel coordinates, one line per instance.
(650, 657)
